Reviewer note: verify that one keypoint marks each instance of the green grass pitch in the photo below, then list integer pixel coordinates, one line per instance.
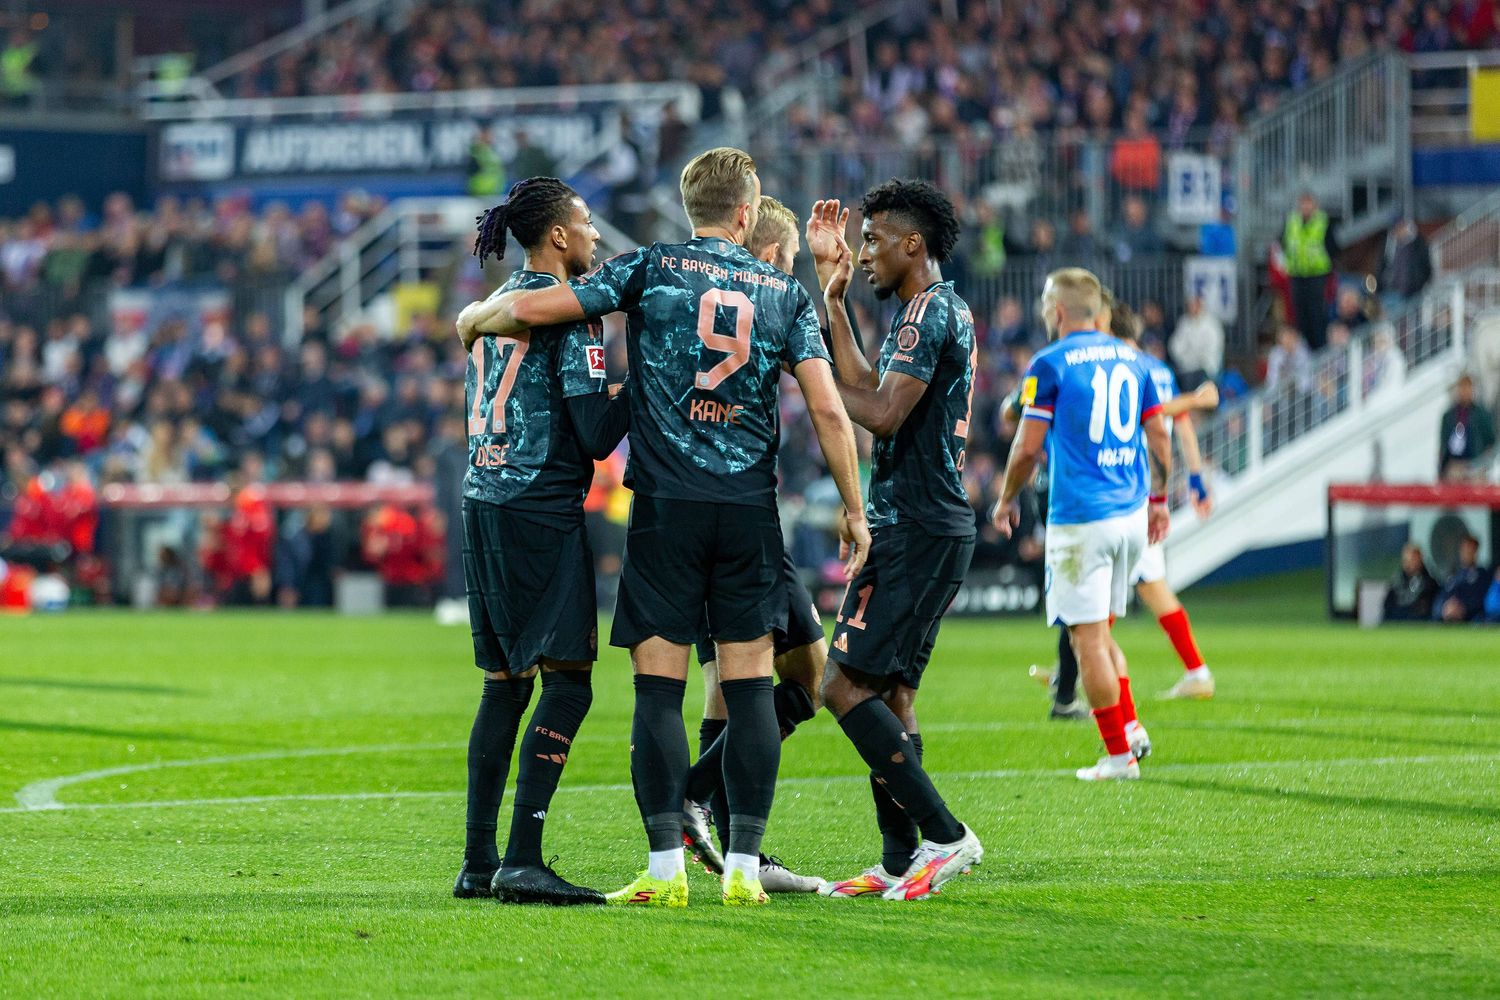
(272, 805)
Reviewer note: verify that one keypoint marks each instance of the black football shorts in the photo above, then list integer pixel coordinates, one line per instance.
(530, 582)
(696, 570)
(804, 626)
(889, 617)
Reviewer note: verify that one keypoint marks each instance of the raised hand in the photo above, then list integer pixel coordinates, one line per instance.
(826, 224)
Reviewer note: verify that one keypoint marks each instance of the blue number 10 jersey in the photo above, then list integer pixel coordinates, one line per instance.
(1096, 392)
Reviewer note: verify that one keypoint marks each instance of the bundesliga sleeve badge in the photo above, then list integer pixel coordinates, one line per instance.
(595, 355)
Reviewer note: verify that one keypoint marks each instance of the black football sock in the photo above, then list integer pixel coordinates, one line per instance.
(707, 773)
(659, 758)
(752, 756)
(1067, 669)
(491, 742)
(565, 700)
(899, 835)
(883, 744)
(710, 744)
(793, 706)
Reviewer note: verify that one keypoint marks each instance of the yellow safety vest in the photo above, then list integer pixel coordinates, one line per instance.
(1305, 245)
(489, 177)
(15, 70)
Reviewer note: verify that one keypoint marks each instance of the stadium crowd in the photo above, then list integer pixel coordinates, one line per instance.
(1058, 63)
(89, 397)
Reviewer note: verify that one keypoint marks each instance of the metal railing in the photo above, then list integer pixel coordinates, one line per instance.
(1022, 177)
(1339, 380)
(448, 102)
(412, 240)
(1347, 139)
(1471, 240)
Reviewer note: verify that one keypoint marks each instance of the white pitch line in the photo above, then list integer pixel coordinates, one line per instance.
(43, 794)
(55, 806)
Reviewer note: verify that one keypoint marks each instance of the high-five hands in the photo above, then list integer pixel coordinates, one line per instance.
(826, 225)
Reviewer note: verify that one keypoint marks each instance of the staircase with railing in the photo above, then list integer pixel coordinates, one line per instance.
(1347, 140)
(1472, 240)
(1364, 411)
(412, 240)
(202, 90)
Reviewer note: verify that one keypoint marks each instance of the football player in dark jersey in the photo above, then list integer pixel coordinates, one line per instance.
(917, 405)
(801, 648)
(539, 413)
(710, 328)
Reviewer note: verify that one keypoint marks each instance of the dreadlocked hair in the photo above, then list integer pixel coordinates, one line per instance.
(920, 205)
(533, 206)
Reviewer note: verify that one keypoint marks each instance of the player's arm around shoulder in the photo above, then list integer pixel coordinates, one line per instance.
(516, 310)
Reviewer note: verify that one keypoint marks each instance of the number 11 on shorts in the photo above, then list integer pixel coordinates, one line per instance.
(857, 620)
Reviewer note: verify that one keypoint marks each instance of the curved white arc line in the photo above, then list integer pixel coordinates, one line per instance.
(809, 780)
(43, 794)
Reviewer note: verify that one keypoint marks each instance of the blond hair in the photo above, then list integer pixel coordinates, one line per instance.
(715, 183)
(1077, 291)
(778, 224)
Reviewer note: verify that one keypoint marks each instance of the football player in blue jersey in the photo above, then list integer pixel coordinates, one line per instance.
(709, 329)
(1108, 500)
(1150, 575)
(917, 404)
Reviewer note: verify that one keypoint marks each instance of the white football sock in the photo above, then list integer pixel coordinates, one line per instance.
(747, 863)
(665, 864)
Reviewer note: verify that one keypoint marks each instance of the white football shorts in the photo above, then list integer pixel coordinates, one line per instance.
(1089, 567)
(1153, 565)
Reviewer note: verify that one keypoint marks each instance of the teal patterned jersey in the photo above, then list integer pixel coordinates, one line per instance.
(916, 476)
(709, 329)
(523, 451)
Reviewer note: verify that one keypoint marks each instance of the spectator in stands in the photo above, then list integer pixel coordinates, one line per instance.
(1197, 345)
(1135, 236)
(1309, 245)
(19, 68)
(1290, 362)
(1413, 588)
(1079, 247)
(1433, 35)
(529, 159)
(1041, 253)
(1135, 158)
(1468, 431)
(1351, 309)
(484, 173)
(398, 545)
(1010, 328)
(1405, 265)
(1462, 596)
(1385, 365)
